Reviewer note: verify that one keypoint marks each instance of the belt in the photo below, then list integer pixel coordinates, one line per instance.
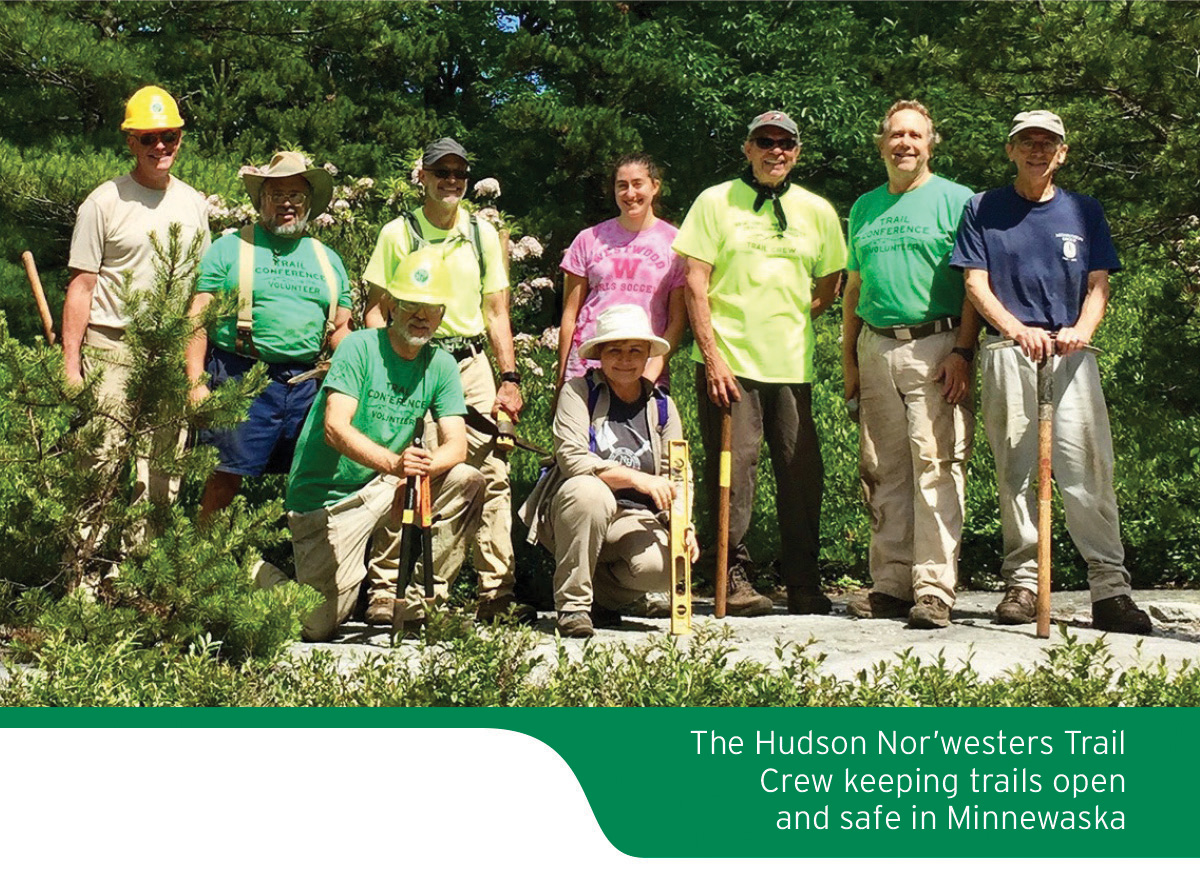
(909, 333)
(462, 346)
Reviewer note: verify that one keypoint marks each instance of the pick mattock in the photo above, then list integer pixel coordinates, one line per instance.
(39, 295)
(722, 583)
(1045, 398)
(416, 521)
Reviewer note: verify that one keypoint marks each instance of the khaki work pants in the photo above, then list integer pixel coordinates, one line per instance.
(913, 452)
(492, 549)
(330, 545)
(601, 551)
(108, 352)
(1082, 460)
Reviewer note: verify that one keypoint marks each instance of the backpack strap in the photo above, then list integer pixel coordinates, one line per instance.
(660, 398)
(415, 238)
(244, 338)
(477, 245)
(331, 282)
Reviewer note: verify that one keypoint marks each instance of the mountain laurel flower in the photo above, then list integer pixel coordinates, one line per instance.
(533, 367)
(323, 220)
(542, 282)
(524, 291)
(365, 183)
(331, 168)
(487, 188)
(414, 176)
(532, 247)
(549, 338)
(517, 251)
(341, 205)
(491, 215)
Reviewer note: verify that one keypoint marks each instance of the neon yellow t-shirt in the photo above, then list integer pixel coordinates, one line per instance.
(464, 316)
(760, 291)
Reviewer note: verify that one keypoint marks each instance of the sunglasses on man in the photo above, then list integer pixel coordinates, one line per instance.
(167, 137)
(450, 173)
(787, 144)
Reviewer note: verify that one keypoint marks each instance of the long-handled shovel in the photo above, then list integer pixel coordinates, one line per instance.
(415, 521)
(39, 295)
(722, 582)
(1045, 398)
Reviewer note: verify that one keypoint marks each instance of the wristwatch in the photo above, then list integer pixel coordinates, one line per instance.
(514, 377)
(967, 354)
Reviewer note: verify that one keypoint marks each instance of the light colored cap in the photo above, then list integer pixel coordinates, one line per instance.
(1039, 118)
(773, 119)
(288, 164)
(621, 323)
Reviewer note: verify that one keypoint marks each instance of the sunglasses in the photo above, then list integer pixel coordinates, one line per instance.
(411, 307)
(787, 144)
(168, 138)
(450, 173)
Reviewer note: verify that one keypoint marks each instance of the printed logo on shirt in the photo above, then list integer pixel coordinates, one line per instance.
(1070, 247)
(625, 268)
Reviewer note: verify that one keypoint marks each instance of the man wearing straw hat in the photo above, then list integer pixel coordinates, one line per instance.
(357, 447)
(293, 303)
(112, 239)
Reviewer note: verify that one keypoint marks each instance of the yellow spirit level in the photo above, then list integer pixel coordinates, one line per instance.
(680, 463)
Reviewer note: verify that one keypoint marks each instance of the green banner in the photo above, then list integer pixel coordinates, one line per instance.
(693, 782)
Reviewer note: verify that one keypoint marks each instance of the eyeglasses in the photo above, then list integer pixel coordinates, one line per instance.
(168, 138)
(296, 198)
(1030, 145)
(787, 144)
(411, 307)
(450, 173)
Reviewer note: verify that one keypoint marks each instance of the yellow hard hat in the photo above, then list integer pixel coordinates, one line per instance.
(151, 108)
(423, 277)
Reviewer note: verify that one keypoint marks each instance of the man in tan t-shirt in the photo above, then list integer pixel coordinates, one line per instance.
(112, 239)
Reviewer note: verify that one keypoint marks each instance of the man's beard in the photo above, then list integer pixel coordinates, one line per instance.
(414, 341)
(295, 228)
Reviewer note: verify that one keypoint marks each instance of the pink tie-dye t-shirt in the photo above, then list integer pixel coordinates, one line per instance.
(622, 268)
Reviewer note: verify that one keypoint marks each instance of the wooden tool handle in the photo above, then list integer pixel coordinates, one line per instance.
(39, 295)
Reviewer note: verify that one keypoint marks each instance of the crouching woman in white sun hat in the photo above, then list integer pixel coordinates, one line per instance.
(602, 508)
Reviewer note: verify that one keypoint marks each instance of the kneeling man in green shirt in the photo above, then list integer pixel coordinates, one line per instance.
(357, 448)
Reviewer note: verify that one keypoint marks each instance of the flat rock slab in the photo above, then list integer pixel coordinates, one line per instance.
(852, 645)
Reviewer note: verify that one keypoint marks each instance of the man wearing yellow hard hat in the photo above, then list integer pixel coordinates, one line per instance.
(112, 239)
(357, 447)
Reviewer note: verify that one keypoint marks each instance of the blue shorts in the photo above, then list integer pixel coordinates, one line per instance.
(265, 442)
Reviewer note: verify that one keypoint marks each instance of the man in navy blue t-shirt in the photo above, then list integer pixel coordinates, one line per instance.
(1037, 260)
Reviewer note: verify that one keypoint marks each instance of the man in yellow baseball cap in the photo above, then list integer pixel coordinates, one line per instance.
(112, 239)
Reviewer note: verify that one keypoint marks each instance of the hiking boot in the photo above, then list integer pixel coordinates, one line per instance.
(605, 617)
(651, 605)
(742, 600)
(1019, 606)
(576, 625)
(878, 605)
(929, 613)
(379, 611)
(1119, 614)
(807, 602)
(489, 611)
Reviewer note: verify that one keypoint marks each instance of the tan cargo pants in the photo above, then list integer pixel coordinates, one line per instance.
(913, 454)
(330, 545)
(602, 551)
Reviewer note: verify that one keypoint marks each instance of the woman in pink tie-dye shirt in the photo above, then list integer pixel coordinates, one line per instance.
(626, 260)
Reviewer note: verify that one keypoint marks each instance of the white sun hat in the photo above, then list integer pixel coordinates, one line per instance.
(620, 323)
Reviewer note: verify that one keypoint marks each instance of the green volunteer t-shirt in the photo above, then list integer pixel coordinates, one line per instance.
(291, 294)
(464, 315)
(760, 292)
(392, 393)
(901, 245)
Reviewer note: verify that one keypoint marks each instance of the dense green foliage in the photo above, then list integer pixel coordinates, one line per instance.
(458, 666)
(544, 95)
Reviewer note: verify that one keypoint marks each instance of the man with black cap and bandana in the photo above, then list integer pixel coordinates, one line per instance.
(293, 304)
(476, 316)
(764, 257)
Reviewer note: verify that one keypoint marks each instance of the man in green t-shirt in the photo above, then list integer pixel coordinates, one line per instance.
(764, 257)
(908, 343)
(476, 316)
(356, 449)
(293, 300)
